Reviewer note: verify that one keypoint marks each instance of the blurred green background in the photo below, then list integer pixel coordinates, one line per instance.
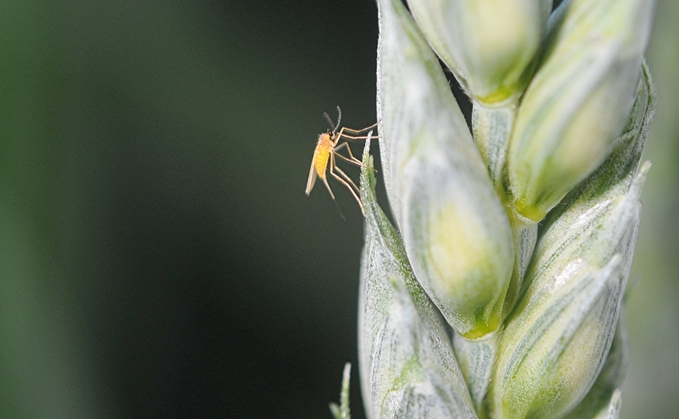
(158, 256)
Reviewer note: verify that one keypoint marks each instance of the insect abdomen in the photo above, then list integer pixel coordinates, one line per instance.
(322, 154)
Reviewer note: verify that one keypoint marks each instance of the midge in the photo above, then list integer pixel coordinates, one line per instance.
(325, 152)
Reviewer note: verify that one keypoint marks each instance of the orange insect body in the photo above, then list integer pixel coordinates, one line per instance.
(324, 158)
(322, 154)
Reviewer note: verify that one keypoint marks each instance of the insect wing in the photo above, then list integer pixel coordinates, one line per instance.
(312, 176)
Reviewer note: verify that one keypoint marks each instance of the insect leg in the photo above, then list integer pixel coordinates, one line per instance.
(349, 186)
(353, 137)
(358, 131)
(353, 193)
(325, 180)
(348, 179)
(352, 159)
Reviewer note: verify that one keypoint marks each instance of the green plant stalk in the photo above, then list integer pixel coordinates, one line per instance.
(497, 293)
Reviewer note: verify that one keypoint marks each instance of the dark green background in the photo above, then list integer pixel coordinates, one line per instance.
(158, 256)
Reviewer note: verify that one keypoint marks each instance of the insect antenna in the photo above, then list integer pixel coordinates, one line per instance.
(339, 118)
(327, 118)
